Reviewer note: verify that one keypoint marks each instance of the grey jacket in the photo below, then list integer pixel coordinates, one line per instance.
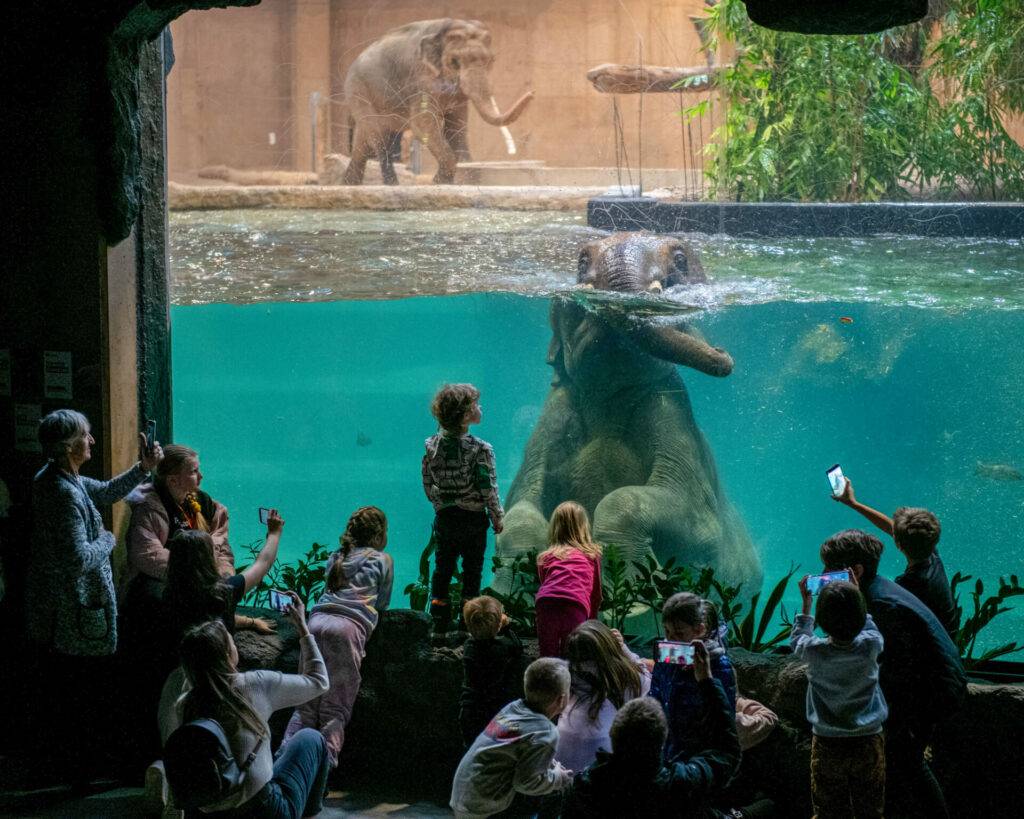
(70, 587)
(515, 753)
(369, 575)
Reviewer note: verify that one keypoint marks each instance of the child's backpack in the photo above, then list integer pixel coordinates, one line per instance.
(201, 769)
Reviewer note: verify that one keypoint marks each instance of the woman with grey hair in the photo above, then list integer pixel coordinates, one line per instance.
(72, 610)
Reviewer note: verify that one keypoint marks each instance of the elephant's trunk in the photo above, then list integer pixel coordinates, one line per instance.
(478, 90)
(685, 348)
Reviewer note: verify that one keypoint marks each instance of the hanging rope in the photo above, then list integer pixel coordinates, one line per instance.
(621, 155)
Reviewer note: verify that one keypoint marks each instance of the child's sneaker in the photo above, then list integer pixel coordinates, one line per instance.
(440, 613)
(157, 794)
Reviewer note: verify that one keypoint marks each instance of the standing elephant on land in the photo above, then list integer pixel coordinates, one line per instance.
(617, 433)
(422, 76)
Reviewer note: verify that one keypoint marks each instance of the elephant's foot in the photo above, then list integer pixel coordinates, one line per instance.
(441, 178)
(352, 177)
(525, 529)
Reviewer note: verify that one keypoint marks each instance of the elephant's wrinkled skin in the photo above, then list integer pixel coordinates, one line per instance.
(421, 76)
(617, 433)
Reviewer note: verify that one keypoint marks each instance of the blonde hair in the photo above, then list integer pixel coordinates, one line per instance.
(569, 529)
(483, 616)
(176, 458)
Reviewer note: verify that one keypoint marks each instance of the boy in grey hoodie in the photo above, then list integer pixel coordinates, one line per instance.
(516, 752)
(845, 705)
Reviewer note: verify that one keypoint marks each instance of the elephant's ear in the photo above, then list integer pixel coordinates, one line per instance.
(432, 47)
(556, 351)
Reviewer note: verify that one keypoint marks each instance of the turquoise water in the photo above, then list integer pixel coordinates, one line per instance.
(321, 405)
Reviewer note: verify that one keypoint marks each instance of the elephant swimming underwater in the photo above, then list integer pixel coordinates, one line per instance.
(422, 76)
(617, 433)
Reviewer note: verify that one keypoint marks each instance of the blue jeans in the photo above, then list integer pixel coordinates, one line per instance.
(297, 787)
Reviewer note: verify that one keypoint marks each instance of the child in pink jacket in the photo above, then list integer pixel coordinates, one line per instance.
(570, 578)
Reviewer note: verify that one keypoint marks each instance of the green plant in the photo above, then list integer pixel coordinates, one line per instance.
(519, 602)
(305, 577)
(839, 118)
(419, 589)
(985, 611)
(743, 632)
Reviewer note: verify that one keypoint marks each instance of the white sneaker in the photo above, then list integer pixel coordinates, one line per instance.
(157, 794)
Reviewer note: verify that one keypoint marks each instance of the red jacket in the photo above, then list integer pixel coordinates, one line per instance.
(576, 577)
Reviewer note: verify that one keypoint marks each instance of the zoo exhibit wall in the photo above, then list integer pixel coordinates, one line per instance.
(243, 73)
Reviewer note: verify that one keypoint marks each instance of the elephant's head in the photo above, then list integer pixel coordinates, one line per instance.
(644, 263)
(460, 55)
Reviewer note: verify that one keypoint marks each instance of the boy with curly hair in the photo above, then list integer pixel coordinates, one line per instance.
(460, 480)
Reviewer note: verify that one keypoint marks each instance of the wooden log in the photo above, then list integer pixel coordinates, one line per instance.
(612, 78)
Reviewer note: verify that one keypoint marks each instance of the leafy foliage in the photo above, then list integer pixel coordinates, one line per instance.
(304, 577)
(742, 630)
(836, 118)
(985, 611)
(519, 603)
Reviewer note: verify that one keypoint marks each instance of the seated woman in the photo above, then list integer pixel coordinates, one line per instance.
(209, 685)
(173, 502)
(197, 592)
(359, 580)
(605, 676)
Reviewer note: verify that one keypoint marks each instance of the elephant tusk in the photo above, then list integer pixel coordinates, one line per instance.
(655, 286)
(510, 143)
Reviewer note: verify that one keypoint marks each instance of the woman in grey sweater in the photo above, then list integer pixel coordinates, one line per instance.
(71, 607)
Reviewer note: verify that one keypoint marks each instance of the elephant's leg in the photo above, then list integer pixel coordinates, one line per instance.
(362, 150)
(655, 520)
(456, 127)
(429, 127)
(526, 528)
(386, 158)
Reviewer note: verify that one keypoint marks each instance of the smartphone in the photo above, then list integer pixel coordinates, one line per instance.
(279, 601)
(264, 515)
(836, 479)
(816, 582)
(670, 651)
(150, 434)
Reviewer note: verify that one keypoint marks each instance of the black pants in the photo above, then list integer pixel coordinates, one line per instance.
(911, 788)
(459, 533)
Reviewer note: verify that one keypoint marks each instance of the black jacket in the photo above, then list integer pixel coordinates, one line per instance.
(919, 670)
(612, 787)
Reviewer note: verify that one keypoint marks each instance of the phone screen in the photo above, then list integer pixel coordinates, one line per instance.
(150, 433)
(816, 582)
(264, 514)
(279, 601)
(670, 651)
(836, 479)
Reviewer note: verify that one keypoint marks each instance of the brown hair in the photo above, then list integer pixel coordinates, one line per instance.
(545, 681)
(207, 666)
(638, 733)
(688, 609)
(367, 527)
(569, 529)
(916, 531)
(451, 403)
(850, 547)
(598, 662)
(195, 591)
(841, 610)
(483, 616)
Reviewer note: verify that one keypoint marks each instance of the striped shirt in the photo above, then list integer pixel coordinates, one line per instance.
(458, 470)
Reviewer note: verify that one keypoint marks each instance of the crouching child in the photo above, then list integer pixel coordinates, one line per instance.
(515, 753)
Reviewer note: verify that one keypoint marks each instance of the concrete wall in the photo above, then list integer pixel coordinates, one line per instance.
(242, 73)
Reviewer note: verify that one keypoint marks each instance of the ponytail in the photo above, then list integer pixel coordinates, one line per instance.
(366, 528)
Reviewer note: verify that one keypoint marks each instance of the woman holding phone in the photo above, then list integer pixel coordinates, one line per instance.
(209, 685)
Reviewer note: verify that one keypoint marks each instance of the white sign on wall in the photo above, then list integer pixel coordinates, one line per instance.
(56, 374)
(26, 427)
(5, 372)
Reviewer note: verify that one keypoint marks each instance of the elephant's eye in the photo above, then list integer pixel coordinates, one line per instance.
(455, 63)
(679, 262)
(584, 264)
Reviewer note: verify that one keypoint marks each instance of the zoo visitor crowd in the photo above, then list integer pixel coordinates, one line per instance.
(590, 729)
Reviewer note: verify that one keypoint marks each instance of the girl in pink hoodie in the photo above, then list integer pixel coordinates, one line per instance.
(570, 578)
